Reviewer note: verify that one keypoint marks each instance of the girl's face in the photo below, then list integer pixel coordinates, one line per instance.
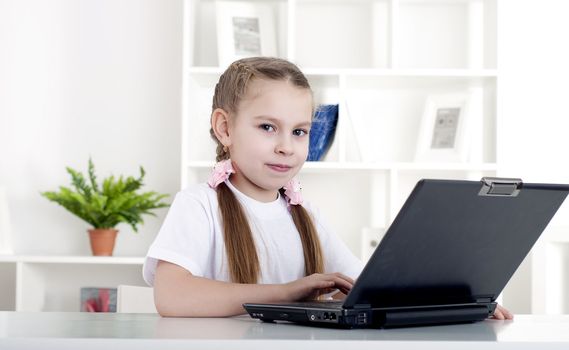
(269, 137)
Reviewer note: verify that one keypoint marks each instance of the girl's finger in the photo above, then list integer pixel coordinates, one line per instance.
(344, 277)
(344, 290)
(498, 314)
(322, 285)
(341, 283)
(507, 314)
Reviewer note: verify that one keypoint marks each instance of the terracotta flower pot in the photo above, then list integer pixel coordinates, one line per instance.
(102, 241)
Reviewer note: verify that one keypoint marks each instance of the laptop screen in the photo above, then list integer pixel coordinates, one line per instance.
(452, 244)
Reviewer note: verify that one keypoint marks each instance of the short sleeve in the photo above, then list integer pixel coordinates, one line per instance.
(337, 256)
(185, 238)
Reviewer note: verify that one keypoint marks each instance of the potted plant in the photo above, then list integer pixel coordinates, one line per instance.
(105, 206)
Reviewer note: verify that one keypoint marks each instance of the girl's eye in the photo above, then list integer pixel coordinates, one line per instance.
(300, 132)
(267, 127)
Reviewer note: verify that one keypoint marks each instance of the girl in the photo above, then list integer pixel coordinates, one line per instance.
(246, 235)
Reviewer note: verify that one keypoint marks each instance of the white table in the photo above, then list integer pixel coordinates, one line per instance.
(74, 330)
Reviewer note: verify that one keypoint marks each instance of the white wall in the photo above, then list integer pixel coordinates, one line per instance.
(98, 78)
(533, 106)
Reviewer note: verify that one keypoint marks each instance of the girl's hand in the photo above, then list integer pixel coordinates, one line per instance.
(502, 314)
(311, 287)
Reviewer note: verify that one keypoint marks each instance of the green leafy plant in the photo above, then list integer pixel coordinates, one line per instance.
(105, 206)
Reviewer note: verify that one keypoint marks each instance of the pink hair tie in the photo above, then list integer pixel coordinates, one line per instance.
(221, 172)
(292, 192)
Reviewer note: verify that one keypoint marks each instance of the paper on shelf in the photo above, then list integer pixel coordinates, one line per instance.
(361, 134)
(371, 237)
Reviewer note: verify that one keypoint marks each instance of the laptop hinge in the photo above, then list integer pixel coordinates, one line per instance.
(498, 186)
(483, 300)
(362, 306)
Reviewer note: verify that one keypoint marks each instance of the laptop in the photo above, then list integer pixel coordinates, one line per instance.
(445, 258)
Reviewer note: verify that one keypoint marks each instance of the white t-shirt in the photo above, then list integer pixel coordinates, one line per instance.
(192, 237)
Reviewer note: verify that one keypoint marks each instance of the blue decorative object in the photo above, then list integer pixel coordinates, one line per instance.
(322, 131)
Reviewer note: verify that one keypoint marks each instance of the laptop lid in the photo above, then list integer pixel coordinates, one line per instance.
(456, 242)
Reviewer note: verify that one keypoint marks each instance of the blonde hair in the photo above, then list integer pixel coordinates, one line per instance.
(239, 244)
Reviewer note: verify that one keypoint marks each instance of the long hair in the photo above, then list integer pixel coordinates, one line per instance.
(239, 243)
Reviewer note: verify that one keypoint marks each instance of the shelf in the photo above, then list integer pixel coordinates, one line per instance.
(205, 70)
(435, 73)
(315, 167)
(374, 72)
(63, 259)
(447, 166)
(450, 34)
(381, 33)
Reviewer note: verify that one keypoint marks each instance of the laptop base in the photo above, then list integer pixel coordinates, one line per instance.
(371, 317)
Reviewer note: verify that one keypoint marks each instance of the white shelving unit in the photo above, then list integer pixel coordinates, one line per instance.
(53, 283)
(379, 60)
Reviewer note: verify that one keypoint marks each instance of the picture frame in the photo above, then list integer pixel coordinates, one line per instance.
(244, 29)
(443, 133)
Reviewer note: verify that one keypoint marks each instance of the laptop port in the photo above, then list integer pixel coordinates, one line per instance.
(333, 316)
(362, 318)
(325, 316)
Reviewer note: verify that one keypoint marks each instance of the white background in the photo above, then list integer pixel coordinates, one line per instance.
(98, 78)
(102, 78)
(533, 62)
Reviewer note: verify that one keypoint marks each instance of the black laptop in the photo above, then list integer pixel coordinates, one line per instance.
(446, 257)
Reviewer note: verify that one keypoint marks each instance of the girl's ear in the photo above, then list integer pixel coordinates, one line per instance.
(220, 126)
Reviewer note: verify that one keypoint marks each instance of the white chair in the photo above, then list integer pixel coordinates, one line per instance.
(135, 299)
